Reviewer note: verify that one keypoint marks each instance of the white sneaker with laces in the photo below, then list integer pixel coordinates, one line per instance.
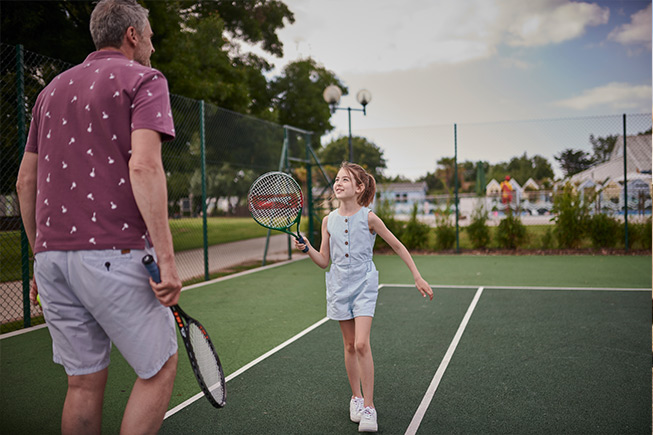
(368, 420)
(356, 409)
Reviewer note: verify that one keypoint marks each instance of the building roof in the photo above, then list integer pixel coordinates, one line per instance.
(403, 187)
(638, 154)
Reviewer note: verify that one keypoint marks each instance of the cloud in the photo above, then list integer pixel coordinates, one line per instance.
(552, 22)
(615, 95)
(381, 36)
(638, 31)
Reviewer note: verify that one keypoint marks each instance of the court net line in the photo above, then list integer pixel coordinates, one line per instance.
(430, 392)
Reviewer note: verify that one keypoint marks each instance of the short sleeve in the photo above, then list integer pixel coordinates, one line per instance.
(151, 106)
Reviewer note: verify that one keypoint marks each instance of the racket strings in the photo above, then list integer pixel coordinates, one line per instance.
(275, 200)
(207, 364)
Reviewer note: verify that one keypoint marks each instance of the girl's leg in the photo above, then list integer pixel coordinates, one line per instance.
(351, 362)
(363, 325)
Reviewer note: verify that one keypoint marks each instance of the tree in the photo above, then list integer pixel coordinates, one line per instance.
(298, 96)
(602, 147)
(368, 155)
(573, 161)
(197, 43)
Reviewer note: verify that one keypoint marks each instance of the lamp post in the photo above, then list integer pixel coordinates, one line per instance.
(332, 95)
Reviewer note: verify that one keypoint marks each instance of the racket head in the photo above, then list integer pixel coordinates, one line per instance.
(275, 201)
(203, 358)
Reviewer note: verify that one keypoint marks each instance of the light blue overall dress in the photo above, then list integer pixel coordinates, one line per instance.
(352, 281)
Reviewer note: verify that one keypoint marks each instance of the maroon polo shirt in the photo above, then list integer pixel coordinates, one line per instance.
(81, 131)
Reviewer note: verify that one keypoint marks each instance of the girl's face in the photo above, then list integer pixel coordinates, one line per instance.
(344, 185)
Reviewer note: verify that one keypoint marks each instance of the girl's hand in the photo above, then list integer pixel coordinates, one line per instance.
(302, 246)
(424, 288)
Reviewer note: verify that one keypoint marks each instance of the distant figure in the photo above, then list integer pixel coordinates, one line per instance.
(506, 192)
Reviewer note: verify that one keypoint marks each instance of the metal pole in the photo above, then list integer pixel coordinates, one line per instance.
(309, 189)
(204, 222)
(351, 148)
(455, 171)
(625, 188)
(24, 243)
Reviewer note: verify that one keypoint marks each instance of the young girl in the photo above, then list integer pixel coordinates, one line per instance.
(348, 235)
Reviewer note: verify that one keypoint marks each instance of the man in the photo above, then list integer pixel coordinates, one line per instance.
(93, 200)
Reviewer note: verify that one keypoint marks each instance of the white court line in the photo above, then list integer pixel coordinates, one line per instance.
(506, 287)
(426, 400)
(248, 366)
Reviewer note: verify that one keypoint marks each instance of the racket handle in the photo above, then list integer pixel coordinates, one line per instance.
(301, 240)
(150, 265)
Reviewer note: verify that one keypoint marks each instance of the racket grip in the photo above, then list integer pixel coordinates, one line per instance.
(150, 265)
(301, 240)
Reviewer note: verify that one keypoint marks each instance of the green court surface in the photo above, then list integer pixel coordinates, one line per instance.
(511, 359)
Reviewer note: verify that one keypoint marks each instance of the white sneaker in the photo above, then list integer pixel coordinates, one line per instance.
(368, 421)
(356, 409)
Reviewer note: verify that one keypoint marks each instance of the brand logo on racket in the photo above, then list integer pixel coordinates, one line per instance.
(278, 200)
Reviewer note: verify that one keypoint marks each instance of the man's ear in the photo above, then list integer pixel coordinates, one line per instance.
(131, 35)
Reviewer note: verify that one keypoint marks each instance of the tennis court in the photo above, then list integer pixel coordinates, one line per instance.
(508, 345)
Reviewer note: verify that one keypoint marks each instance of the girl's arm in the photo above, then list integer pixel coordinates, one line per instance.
(377, 225)
(321, 257)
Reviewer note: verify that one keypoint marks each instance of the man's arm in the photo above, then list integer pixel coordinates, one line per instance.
(26, 189)
(148, 182)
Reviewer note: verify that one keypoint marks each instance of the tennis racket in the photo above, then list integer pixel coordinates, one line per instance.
(275, 202)
(201, 353)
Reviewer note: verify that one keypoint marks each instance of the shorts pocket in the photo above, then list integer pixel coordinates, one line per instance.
(107, 261)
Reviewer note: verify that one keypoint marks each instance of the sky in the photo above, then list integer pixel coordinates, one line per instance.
(515, 76)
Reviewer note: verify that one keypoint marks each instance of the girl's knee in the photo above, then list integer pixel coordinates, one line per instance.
(362, 348)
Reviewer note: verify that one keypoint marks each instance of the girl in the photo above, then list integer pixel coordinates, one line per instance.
(348, 235)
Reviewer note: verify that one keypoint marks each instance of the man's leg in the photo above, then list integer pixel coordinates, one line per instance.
(149, 401)
(82, 409)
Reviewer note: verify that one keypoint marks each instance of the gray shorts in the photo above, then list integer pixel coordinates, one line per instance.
(91, 299)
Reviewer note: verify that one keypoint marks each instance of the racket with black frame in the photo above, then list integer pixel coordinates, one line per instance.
(201, 352)
(275, 201)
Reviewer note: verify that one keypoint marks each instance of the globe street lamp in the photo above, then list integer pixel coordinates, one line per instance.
(332, 95)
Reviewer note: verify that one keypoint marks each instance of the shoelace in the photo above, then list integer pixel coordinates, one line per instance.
(368, 412)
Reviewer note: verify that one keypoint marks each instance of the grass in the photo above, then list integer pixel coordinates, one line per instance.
(187, 233)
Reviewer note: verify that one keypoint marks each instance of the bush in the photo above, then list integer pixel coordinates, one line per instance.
(603, 231)
(548, 240)
(416, 233)
(639, 235)
(511, 233)
(385, 211)
(445, 232)
(478, 231)
(571, 217)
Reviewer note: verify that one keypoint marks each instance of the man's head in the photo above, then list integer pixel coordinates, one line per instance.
(118, 22)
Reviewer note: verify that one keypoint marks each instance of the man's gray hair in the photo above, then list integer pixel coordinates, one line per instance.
(111, 19)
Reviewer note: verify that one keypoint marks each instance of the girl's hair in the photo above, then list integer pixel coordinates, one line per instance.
(111, 18)
(361, 177)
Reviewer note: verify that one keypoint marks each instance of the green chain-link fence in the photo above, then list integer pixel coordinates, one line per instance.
(210, 165)
(218, 153)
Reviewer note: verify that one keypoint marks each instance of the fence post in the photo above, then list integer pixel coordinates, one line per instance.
(309, 188)
(24, 243)
(203, 163)
(625, 188)
(455, 182)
